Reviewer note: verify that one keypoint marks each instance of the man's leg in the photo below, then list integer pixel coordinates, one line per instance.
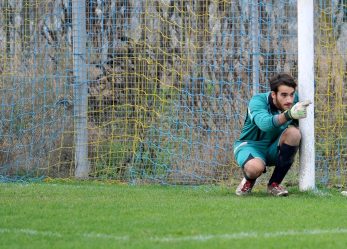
(252, 169)
(251, 159)
(288, 147)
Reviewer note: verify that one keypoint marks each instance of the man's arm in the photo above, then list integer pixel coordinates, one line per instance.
(259, 114)
(281, 119)
(258, 111)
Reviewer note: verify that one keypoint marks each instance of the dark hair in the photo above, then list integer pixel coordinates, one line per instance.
(282, 79)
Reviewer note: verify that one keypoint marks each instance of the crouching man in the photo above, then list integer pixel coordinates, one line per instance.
(270, 135)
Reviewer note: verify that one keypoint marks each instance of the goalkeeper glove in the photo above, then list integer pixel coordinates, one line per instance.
(298, 111)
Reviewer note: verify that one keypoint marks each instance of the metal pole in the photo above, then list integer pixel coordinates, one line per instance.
(306, 92)
(255, 47)
(80, 88)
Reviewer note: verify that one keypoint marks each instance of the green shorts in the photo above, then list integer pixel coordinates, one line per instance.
(257, 149)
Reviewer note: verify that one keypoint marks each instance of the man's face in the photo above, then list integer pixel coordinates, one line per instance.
(284, 98)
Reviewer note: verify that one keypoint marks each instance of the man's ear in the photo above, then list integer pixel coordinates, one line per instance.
(273, 94)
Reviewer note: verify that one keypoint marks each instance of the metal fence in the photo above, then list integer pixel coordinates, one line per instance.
(157, 90)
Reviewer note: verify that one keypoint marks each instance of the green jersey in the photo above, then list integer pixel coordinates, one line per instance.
(261, 123)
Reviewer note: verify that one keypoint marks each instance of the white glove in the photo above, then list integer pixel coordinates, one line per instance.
(298, 111)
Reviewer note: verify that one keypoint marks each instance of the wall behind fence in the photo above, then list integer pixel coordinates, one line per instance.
(168, 85)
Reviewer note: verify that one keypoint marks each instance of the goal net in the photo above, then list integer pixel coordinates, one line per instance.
(168, 86)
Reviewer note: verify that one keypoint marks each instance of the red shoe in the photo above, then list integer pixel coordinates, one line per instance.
(276, 190)
(245, 187)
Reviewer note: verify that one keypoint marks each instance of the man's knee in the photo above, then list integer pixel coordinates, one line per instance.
(291, 136)
(253, 168)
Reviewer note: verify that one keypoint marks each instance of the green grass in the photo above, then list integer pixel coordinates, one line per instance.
(100, 215)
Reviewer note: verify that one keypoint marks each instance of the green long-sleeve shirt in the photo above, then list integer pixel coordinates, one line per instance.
(261, 123)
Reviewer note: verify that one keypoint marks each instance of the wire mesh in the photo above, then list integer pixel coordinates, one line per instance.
(168, 85)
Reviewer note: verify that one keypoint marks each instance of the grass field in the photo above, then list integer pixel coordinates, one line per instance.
(100, 215)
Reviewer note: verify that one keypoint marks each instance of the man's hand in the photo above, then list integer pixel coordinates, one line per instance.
(298, 111)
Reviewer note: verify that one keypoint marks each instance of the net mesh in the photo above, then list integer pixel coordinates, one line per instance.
(331, 91)
(168, 85)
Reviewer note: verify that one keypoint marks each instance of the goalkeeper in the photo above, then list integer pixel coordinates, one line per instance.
(270, 136)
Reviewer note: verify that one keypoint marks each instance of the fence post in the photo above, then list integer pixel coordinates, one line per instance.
(306, 92)
(255, 46)
(80, 88)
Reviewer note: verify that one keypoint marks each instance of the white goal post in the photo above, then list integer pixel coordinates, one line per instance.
(306, 92)
(80, 88)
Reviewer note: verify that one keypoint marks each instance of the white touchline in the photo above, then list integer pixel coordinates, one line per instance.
(245, 235)
(170, 238)
(30, 232)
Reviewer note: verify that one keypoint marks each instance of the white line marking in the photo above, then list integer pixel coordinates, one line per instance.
(247, 235)
(170, 238)
(104, 236)
(30, 232)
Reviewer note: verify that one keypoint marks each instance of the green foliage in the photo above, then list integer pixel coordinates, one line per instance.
(151, 162)
(112, 159)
